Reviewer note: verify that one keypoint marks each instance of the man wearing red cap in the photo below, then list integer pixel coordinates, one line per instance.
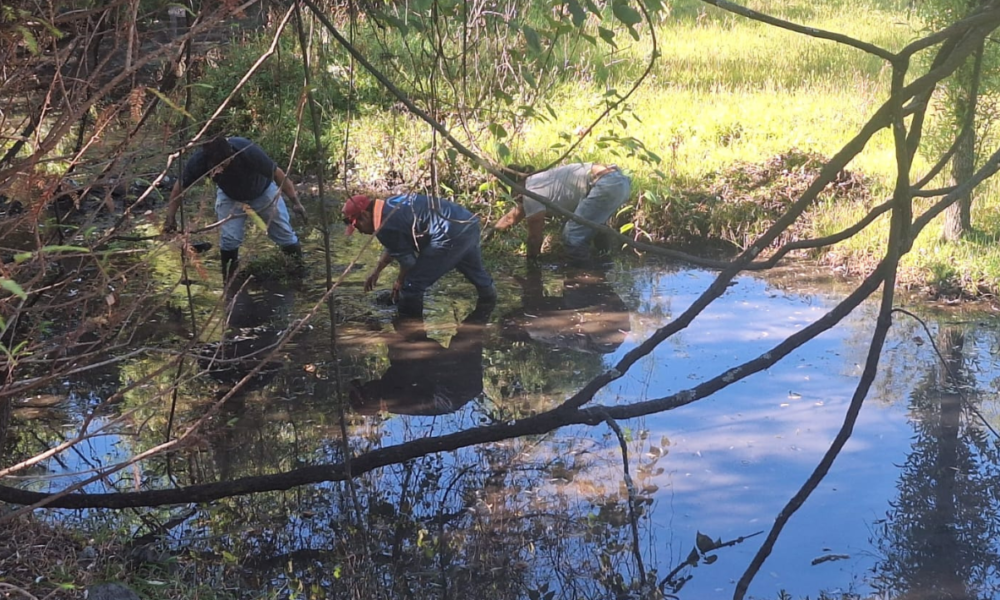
(427, 237)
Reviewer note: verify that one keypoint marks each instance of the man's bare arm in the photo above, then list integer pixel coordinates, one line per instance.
(170, 220)
(288, 190)
(536, 227)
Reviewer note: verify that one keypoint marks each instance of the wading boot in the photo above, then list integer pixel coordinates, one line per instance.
(578, 256)
(230, 262)
(410, 305)
(296, 263)
(481, 314)
(487, 294)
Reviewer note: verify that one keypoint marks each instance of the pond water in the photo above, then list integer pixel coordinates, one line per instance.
(907, 510)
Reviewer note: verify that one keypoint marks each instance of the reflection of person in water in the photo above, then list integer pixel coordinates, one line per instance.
(589, 316)
(256, 319)
(254, 325)
(424, 377)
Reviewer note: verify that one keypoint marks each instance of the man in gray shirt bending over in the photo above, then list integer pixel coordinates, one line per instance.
(592, 191)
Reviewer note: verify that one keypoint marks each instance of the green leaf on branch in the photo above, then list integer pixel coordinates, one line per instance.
(398, 23)
(29, 39)
(23, 256)
(497, 130)
(257, 220)
(503, 152)
(654, 6)
(531, 36)
(11, 286)
(579, 15)
(626, 14)
(163, 98)
(608, 36)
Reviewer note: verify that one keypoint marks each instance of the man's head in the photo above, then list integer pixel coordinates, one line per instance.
(217, 151)
(519, 173)
(359, 214)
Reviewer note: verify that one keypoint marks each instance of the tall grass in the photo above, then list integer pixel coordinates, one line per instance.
(725, 90)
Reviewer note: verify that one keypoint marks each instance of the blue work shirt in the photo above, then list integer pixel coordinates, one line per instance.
(414, 224)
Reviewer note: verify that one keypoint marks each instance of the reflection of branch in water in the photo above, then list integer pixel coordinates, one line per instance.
(882, 324)
(947, 366)
(566, 414)
(630, 486)
(703, 545)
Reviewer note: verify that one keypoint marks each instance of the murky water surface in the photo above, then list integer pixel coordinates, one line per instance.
(909, 506)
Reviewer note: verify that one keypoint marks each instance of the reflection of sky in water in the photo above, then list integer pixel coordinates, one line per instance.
(83, 461)
(734, 459)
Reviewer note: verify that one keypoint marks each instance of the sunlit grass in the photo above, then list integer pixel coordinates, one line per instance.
(729, 90)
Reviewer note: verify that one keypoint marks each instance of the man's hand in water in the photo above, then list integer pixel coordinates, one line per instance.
(371, 281)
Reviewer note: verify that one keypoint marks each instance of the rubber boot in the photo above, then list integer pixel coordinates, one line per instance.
(481, 314)
(230, 262)
(578, 256)
(410, 305)
(487, 295)
(603, 242)
(410, 328)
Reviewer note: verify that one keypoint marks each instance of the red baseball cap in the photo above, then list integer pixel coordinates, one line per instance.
(353, 208)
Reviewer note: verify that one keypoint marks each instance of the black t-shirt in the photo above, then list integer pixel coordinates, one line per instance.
(246, 176)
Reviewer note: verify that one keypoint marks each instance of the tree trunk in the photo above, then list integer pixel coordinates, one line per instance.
(958, 217)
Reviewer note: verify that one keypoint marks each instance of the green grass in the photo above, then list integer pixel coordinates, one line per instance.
(726, 91)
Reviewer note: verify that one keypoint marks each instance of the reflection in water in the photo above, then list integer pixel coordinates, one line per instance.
(525, 517)
(424, 377)
(588, 316)
(256, 320)
(942, 534)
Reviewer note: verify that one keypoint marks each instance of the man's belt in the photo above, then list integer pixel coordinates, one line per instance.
(598, 171)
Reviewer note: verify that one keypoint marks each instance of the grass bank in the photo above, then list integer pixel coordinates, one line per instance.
(728, 100)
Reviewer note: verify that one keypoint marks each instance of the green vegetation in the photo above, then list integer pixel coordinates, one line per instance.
(727, 95)
(730, 125)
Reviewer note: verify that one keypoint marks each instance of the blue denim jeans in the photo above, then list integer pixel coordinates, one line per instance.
(271, 208)
(605, 197)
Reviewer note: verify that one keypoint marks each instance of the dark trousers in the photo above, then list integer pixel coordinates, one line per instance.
(464, 255)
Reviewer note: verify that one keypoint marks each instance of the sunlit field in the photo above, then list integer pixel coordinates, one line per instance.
(728, 90)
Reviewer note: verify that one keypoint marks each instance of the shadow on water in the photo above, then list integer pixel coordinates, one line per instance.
(255, 321)
(906, 511)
